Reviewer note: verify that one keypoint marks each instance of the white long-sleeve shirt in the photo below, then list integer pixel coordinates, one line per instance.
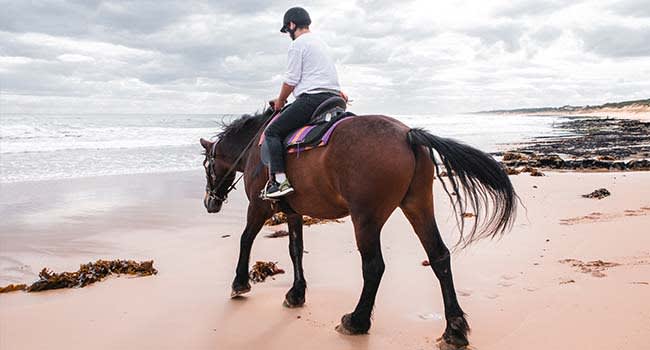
(310, 68)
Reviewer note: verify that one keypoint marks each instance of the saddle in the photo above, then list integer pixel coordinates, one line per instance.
(327, 116)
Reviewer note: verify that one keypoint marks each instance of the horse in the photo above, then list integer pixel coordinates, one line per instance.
(372, 165)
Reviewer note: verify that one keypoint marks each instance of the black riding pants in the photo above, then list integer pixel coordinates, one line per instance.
(292, 118)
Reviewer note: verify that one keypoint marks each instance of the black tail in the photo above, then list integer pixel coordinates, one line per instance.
(477, 180)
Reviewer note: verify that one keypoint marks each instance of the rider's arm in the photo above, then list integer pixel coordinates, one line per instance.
(285, 91)
(292, 76)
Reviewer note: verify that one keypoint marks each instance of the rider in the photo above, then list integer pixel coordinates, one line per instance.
(311, 76)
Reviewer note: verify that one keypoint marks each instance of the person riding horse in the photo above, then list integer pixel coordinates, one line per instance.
(312, 78)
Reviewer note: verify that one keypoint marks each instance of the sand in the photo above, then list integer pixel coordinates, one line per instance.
(515, 290)
(619, 113)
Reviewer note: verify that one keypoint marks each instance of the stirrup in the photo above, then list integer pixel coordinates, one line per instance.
(263, 195)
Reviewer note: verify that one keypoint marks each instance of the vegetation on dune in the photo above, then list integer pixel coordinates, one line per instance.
(569, 108)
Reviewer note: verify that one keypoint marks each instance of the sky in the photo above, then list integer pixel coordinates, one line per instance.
(392, 57)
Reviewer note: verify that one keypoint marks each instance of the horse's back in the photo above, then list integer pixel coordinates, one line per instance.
(367, 162)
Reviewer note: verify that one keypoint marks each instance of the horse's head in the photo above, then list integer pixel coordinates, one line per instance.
(219, 175)
(226, 156)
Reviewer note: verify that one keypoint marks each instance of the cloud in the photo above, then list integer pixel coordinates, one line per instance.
(393, 57)
(523, 8)
(508, 34)
(633, 8)
(617, 40)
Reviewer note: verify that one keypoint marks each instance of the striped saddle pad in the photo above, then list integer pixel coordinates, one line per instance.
(312, 135)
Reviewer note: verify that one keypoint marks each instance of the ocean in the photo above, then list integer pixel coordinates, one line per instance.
(43, 147)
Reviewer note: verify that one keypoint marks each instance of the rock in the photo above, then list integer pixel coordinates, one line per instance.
(551, 161)
(600, 164)
(640, 164)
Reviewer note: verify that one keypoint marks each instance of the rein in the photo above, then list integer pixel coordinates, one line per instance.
(212, 192)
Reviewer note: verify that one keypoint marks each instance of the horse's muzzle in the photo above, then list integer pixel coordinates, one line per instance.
(212, 204)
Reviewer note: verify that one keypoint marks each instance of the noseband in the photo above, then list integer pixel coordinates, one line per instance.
(216, 192)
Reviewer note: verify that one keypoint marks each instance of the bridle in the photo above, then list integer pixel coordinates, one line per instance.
(213, 191)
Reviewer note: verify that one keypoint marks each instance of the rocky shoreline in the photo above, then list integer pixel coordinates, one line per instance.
(587, 144)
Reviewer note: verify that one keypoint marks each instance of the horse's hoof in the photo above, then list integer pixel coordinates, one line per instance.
(444, 345)
(236, 292)
(456, 333)
(289, 305)
(346, 327)
(293, 300)
(450, 342)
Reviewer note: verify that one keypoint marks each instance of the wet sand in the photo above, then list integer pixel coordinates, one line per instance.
(515, 290)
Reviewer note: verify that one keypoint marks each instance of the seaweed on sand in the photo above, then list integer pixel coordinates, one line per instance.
(87, 274)
(598, 194)
(281, 218)
(13, 288)
(263, 269)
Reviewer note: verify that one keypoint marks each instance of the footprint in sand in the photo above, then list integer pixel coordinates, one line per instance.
(464, 292)
(599, 217)
(505, 284)
(506, 280)
(492, 296)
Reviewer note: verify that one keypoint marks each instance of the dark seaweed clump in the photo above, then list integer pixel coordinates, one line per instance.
(263, 269)
(281, 218)
(87, 274)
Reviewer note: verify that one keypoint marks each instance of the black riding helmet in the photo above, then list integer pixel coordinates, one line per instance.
(298, 16)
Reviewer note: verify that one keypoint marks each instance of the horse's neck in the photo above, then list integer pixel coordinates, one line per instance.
(253, 152)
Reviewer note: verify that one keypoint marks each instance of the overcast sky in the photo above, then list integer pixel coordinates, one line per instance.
(401, 57)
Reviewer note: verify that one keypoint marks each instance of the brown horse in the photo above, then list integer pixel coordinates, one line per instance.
(372, 165)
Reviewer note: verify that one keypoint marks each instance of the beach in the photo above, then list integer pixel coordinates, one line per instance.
(123, 122)
(516, 291)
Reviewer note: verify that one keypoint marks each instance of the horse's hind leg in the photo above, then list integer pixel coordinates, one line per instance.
(295, 297)
(417, 205)
(367, 232)
(457, 326)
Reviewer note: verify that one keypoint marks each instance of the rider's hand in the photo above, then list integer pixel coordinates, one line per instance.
(277, 104)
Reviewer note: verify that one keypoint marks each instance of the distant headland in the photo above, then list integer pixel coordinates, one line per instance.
(636, 109)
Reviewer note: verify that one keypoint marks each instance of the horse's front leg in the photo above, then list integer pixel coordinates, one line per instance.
(296, 295)
(255, 218)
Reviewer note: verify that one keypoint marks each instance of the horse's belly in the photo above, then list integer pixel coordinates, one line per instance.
(314, 194)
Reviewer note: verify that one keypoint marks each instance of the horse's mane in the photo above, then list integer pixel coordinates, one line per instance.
(242, 123)
(239, 131)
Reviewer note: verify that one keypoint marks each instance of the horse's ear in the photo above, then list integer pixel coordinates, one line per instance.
(206, 144)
